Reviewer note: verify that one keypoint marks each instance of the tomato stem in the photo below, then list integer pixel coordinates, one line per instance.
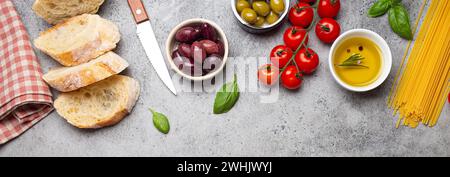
(333, 2)
(299, 9)
(325, 28)
(308, 54)
(313, 23)
(316, 4)
(292, 59)
(279, 53)
(299, 76)
(294, 30)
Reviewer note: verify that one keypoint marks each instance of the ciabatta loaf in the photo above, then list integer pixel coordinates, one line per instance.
(79, 39)
(66, 79)
(55, 11)
(102, 104)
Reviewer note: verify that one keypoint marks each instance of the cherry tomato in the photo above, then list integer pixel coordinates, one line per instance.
(281, 55)
(293, 37)
(291, 78)
(328, 8)
(307, 60)
(301, 14)
(268, 74)
(327, 30)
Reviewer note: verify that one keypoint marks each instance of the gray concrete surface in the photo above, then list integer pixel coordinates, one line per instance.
(321, 119)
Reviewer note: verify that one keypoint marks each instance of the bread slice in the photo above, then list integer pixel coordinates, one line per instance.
(102, 104)
(79, 39)
(66, 79)
(56, 11)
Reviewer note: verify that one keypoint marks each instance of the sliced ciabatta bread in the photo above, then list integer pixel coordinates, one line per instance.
(102, 104)
(66, 79)
(55, 11)
(79, 39)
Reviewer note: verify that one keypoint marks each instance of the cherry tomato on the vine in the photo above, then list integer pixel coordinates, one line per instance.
(328, 30)
(307, 60)
(293, 37)
(268, 74)
(301, 14)
(328, 8)
(280, 55)
(291, 78)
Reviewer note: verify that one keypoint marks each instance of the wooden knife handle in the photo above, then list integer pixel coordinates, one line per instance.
(138, 10)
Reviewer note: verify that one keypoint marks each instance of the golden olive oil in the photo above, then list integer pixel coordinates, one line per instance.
(370, 67)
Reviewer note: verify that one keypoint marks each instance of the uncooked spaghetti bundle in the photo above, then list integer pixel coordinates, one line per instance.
(420, 88)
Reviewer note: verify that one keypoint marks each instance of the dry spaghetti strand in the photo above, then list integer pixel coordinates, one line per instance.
(419, 92)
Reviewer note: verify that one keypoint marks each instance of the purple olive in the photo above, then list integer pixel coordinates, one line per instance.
(221, 48)
(198, 52)
(208, 32)
(187, 35)
(186, 65)
(210, 46)
(211, 63)
(185, 50)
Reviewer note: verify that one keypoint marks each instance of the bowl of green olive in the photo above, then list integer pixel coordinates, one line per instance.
(260, 16)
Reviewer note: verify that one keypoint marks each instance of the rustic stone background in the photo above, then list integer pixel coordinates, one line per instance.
(321, 119)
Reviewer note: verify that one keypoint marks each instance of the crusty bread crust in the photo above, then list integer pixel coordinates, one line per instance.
(55, 11)
(68, 79)
(131, 85)
(118, 116)
(106, 38)
(133, 94)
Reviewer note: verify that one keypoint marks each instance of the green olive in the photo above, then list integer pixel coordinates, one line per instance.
(277, 6)
(241, 5)
(259, 21)
(249, 15)
(261, 8)
(272, 18)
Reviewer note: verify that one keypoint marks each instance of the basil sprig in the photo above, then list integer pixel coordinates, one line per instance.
(161, 122)
(226, 97)
(398, 16)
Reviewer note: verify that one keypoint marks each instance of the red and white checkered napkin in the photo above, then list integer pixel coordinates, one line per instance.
(24, 97)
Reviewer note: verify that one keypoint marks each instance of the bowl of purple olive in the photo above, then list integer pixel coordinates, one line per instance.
(197, 49)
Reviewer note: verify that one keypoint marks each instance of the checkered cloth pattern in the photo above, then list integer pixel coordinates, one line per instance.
(25, 99)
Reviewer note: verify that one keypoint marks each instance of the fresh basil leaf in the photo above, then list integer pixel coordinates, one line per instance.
(380, 8)
(161, 122)
(399, 21)
(227, 97)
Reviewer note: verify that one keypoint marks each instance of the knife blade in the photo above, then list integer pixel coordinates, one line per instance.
(150, 44)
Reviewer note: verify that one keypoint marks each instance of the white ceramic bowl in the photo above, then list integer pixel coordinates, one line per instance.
(170, 44)
(385, 52)
(259, 30)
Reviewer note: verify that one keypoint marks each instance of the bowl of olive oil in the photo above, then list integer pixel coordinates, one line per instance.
(360, 60)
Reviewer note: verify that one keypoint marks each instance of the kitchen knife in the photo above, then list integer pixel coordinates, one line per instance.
(149, 42)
